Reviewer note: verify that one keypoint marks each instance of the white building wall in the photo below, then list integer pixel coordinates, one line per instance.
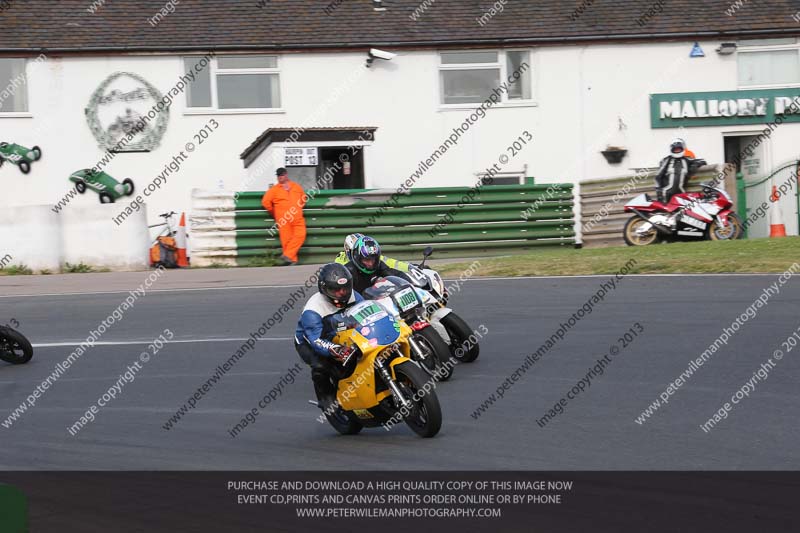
(582, 94)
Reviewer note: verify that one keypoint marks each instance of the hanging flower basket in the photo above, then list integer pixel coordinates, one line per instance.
(614, 155)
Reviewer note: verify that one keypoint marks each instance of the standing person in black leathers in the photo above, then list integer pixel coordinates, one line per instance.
(365, 264)
(675, 170)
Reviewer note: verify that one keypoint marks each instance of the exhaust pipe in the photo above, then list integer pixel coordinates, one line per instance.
(661, 229)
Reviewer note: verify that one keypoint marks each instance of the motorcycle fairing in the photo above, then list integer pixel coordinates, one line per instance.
(639, 201)
(644, 202)
(383, 328)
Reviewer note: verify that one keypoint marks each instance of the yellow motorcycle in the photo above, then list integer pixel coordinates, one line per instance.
(379, 385)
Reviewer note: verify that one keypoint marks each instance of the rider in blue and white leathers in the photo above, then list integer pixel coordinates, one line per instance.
(314, 335)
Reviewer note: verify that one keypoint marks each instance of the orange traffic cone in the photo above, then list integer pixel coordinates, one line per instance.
(180, 242)
(776, 227)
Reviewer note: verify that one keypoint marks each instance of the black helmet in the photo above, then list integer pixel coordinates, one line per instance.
(366, 255)
(336, 284)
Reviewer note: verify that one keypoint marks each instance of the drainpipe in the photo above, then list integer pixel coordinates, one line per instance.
(797, 194)
(576, 190)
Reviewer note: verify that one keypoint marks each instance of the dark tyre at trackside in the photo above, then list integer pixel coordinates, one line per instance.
(14, 347)
(459, 332)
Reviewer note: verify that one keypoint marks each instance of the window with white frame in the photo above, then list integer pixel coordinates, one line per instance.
(249, 82)
(469, 77)
(768, 63)
(13, 86)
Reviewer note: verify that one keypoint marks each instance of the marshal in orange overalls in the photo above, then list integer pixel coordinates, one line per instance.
(285, 201)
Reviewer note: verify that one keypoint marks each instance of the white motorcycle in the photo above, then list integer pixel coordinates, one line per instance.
(450, 326)
(404, 301)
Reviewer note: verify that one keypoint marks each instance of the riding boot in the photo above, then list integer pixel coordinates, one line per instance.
(326, 391)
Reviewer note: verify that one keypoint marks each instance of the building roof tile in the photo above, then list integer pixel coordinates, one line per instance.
(123, 25)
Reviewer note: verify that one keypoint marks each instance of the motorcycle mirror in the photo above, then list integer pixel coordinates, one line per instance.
(425, 254)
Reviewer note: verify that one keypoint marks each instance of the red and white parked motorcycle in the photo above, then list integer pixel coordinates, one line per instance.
(693, 215)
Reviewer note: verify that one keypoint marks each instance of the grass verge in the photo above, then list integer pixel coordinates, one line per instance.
(742, 256)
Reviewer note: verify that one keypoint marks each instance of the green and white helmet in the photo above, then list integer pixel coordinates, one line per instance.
(366, 255)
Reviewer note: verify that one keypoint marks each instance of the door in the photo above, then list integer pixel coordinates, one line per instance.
(752, 160)
(341, 167)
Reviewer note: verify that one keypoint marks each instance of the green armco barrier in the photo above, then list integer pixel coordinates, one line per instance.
(356, 217)
(492, 222)
(334, 237)
(420, 197)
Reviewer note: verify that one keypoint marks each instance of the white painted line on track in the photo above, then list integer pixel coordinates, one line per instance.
(142, 342)
(36, 381)
(473, 279)
(186, 289)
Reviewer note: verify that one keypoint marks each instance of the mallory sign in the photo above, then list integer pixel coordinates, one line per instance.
(724, 108)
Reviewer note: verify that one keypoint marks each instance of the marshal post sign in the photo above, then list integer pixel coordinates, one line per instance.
(724, 108)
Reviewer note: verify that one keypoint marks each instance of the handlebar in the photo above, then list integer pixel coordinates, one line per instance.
(167, 215)
(344, 354)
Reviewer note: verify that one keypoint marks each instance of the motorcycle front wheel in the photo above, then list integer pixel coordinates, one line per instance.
(635, 235)
(425, 418)
(734, 230)
(14, 347)
(437, 354)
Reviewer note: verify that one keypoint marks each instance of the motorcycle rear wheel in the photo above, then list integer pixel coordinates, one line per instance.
(438, 353)
(342, 421)
(14, 347)
(632, 238)
(425, 418)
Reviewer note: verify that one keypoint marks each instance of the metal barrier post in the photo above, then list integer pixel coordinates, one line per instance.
(741, 199)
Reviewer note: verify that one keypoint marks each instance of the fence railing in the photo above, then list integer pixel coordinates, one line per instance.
(760, 190)
(233, 228)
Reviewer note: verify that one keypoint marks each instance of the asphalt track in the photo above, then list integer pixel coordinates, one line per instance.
(681, 316)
